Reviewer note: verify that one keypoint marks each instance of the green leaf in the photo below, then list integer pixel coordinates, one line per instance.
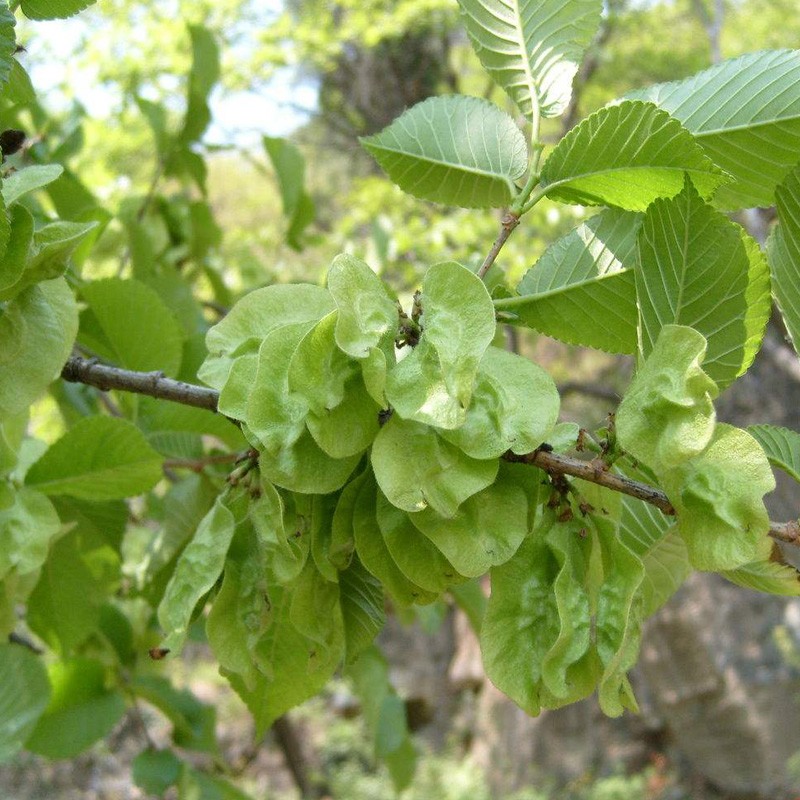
(644, 530)
(318, 369)
(385, 716)
(26, 530)
(696, 270)
(532, 48)
(582, 289)
(525, 618)
(81, 710)
(159, 420)
(20, 89)
(766, 576)
(197, 570)
(303, 217)
(415, 468)
(295, 669)
(15, 256)
(367, 311)
(781, 445)
(453, 149)
(150, 555)
(718, 497)
(100, 458)
(24, 695)
(253, 318)
(50, 251)
(783, 250)
(627, 156)
(363, 615)
(20, 183)
(618, 625)
(375, 556)
(342, 543)
(8, 43)
(289, 166)
(239, 617)
(197, 785)
(81, 572)
(154, 771)
(193, 721)
(316, 614)
(514, 407)
(667, 415)
(53, 9)
(128, 324)
(38, 329)
(434, 383)
(282, 533)
(485, 531)
(204, 74)
(349, 428)
(745, 114)
(416, 556)
(156, 116)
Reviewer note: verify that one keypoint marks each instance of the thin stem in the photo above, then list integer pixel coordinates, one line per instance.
(154, 384)
(198, 464)
(596, 471)
(507, 224)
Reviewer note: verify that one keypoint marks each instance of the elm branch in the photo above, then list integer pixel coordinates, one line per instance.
(155, 384)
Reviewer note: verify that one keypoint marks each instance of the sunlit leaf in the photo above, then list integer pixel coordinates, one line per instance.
(24, 695)
(415, 468)
(582, 289)
(696, 269)
(100, 458)
(745, 114)
(627, 156)
(532, 48)
(82, 709)
(453, 149)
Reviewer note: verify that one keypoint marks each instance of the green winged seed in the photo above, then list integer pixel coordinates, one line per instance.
(719, 500)
(367, 312)
(514, 407)
(416, 556)
(375, 556)
(415, 468)
(434, 383)
(275, 415)
(197, 570)
(486, 530)
(318, 369)
(667, 415)
(521, 623)
(255, 316)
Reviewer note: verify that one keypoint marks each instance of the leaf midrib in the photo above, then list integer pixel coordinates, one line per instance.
(95, 475)
(698, 134)
(504, 177)
(631, 168)
(503, 302)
